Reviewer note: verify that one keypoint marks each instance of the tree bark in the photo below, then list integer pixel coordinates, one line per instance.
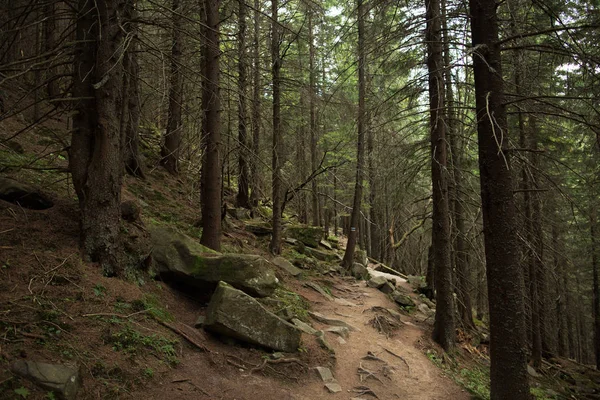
(242, 198)
(443, 331)
(508, 355)
(255, 107)
(172, 140)
(596, 285)
(96, 160)
(354, 219)
(275, 245)
(211, 133)
(313, 121)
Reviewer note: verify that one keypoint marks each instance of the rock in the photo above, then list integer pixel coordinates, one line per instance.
(359, 271)
(425, 310)
(415, 281)
(291, 241)
(388, 287)
(341, 340)
(360, 256)
(333, 387)
(342, 331)
(304, 327)
(200, 321)
(259, 228)
(61, 379)
(319, 289)
(277, 355)
(233, 313)
(238, 213)
(323, 343)
(325, 374)
(330, 321)
(24, 195)
(532, 372)
(425, 300)
(16, 147)
(309, 235)
(130, 211)
(287, 266)
(402, 299)
(326, 244)
(376, 282)
(180, 258)
(322, 255)
(344, 302)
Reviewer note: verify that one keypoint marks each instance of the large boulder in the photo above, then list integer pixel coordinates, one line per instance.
(359, 271)
(23, 195)
(233, 313)
(180, 258)
(258, 227)
(309, 235)
(360, 256)
(402, 299)
(376, 281)
(63, 380)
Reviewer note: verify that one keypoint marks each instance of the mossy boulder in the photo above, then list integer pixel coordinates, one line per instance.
(259, 228)
(309, 235)
(360, 256)
(322, 255)
(179, 258)
(233, 313)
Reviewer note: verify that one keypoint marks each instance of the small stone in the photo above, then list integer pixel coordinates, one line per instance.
(130, 211)
(388, 288)
(341, 340)
(62, 379)
(326, 244)
(344, 302)
(277, 355)
(376, 282)
(342, 331)
(531, 371)
(323, 343)
(200, 321)
(325, 374)
(304, 327)
(333, 387)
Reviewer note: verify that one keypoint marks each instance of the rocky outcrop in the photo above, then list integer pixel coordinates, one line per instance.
(359, 271)
(308, 235)
(24, 195)
(402, 299)
(321, 255)
(233, 313)
(376, 282)
(180, 258)
(259, 228)
(63, 380)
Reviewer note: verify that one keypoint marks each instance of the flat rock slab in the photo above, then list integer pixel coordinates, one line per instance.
(344, 302)
(402, 299)
(233, 313)
(62, 379)
(388, 287)
(330, 321)
(179, 258)
(319, 289)
(333, 387)
(287, 266)
(325, 374)
(304, 327)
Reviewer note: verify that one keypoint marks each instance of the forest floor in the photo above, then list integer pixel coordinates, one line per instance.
(130, 337)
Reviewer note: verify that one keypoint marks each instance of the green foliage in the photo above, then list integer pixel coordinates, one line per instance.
(23, 392)
(50, 396)
(148, 372)
(130, 341)
(476, 380)
(293, 302)
(154, 306)
(99, 290)
(541, 394)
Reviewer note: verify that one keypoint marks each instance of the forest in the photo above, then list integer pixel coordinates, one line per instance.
(451, 140)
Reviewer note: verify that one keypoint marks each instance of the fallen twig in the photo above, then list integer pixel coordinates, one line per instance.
(187, 337)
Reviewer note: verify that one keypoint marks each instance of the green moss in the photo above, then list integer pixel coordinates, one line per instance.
(130, 341)
(309, 235)
(154, 306)
(292, 302)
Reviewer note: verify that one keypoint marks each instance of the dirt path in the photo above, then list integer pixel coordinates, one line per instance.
(413, 376)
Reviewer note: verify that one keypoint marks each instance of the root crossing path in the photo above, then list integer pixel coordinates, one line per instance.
(379, 358)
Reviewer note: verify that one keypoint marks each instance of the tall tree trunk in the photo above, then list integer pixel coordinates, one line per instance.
(443, 331)
(313, 121)
(211, 164)
(561, 310)
(172, 140)
(256, 90)
(133, 163)
(50, 27)
(508, 354)
(242, 198)
(275, 246)
(96, 160)
(354, 219)
(596, 285)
